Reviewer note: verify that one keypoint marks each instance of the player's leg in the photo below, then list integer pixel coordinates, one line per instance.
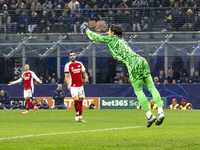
(76, 106)
(148, 82)
(138, 88)
(74, 94)
(27, 105)
(27, 99)
(81, 95)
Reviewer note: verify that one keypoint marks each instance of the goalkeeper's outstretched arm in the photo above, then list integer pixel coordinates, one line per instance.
(93, 36)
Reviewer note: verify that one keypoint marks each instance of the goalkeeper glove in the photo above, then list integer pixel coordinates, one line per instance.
(84, 27)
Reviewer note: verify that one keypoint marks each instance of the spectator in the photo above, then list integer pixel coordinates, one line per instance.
(112, 17)
(61, 3)
(155, 80)
(170, 78)
(190, 4)
(53, 81)
(152, 105)
(195, 78)
(197, 22)
(3, 21)
(43, 104)
(58, 97)
(62, 22)
(23, 21)
(161, 76)
(78, 21)
(16, 105)
(137, 21)
(179, 22)
(58, 10)
(1, 5)
(27, 5)
(181, 3)
(185, 105)
(139, 107)
(167, 21)
(66, 6)
(86, 12)
(35, 5)
(120, 81)
(174, 105)
(145, 14)
(123, 78)
(165, 81)
(175, 11)
(53, 24)
(19, 5)
(14, 20)
(134, 7)
(47, 5)
(34, 21)
(95, 14)
(123, 7)
(125, 21)
(44, 25)
(12, 7)
(188, 21)
(72, 4)
(4, 100)
(71, 20)
(118, 18)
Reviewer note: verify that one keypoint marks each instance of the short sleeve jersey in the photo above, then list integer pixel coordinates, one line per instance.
(75, 73)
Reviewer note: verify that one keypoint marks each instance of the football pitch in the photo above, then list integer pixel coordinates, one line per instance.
(104, 129)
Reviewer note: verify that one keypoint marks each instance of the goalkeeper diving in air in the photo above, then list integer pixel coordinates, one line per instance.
(137, 66)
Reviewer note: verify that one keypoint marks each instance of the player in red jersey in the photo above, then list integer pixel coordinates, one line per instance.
(73, 78)
(28, 77)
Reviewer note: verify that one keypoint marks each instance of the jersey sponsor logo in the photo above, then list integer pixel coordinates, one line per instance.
(76, 70)
(26, 78)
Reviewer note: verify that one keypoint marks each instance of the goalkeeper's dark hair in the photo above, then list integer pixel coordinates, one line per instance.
(71, 52)
(117, 30)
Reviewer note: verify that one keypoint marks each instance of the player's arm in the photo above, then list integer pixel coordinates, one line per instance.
(93, 36)
(67, 80)
(35, 77)
(86, 77)
(16, 81)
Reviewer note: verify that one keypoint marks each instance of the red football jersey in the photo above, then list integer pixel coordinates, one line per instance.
(28, 80)
(75, 71)
(27, 76)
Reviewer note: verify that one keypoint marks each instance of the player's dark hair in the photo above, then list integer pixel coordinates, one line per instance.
(117, 30)
(71, 52)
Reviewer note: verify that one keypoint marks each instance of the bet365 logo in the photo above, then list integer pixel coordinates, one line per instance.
(120, 103)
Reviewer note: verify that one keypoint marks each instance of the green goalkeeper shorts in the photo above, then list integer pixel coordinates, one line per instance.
(138, 69)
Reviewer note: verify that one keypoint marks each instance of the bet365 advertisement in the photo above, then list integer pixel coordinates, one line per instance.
(124, 102)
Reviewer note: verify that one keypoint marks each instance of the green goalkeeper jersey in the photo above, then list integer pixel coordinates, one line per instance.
(137, 66)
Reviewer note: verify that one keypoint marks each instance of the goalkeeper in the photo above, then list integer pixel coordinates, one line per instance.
(137, 66)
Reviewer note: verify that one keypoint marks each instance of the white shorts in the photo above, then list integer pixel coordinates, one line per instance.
(78, 91)
(27, 93)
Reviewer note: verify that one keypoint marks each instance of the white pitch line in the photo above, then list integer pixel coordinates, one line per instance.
(108, 129)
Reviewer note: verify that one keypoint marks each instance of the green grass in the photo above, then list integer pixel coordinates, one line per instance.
(180, 130)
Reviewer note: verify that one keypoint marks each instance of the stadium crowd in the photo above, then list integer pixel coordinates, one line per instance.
(21, 16)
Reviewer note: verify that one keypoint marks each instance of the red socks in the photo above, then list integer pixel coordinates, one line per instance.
(80, 108)
(32, 104)
(27, 104)
(76, 105)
